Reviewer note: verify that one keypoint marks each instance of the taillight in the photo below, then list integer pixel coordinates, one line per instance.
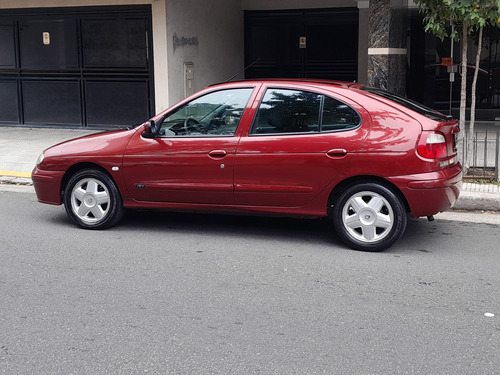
(432, 145)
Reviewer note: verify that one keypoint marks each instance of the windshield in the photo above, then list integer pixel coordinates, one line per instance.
(408, 103)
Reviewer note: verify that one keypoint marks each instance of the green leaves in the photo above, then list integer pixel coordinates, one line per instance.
(440, 14)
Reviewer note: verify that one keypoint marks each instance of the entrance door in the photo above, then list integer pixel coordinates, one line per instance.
(77, 67)
(321, 43)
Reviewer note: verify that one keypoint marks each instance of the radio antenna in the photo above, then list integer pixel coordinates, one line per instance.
(249, 66)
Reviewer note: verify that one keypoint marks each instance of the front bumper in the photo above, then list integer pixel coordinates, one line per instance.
(430, 193)
(47, 185)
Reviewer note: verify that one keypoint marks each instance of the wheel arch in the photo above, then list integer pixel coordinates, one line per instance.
(354, 180)
(79, 167)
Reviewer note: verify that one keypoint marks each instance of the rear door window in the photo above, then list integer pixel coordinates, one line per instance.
(286, 111)
(338, 116)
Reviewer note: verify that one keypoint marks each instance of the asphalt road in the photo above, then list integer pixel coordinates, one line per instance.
(169, 293)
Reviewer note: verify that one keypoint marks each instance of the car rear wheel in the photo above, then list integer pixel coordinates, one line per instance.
(369, 216)
(92, 200)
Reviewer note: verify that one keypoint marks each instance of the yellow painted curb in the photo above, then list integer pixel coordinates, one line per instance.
(15, 174)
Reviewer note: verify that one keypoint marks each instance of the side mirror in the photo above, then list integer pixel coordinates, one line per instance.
(151, 129)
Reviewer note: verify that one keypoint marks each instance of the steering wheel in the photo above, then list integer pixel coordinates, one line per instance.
(191, 124)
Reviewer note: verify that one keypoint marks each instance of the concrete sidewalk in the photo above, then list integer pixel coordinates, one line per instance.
(20, 148)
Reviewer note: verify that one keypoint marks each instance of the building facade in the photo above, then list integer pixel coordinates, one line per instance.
(114, 63)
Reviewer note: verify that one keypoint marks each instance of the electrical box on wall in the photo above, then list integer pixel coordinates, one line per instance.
(188, 78)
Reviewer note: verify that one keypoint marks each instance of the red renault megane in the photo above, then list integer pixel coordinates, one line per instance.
(366, 158)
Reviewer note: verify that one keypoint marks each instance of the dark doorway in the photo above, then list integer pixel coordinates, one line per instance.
(76, 67)
(318, 43)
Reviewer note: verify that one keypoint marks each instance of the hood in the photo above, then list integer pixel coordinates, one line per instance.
(105, 143)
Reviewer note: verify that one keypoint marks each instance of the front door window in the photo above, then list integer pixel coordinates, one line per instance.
(215, 114)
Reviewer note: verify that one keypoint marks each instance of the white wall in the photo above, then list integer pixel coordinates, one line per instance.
(208, 34)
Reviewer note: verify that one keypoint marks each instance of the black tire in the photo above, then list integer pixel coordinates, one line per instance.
(92, 200)
(369, 217)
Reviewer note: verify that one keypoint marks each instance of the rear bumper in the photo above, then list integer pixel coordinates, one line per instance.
(430, 193)
(47, 185)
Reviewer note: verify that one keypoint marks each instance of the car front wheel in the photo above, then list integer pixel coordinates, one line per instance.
(369, 216)
(92, 200)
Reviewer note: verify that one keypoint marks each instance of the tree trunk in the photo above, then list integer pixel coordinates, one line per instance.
(470, 143)
(463, 89)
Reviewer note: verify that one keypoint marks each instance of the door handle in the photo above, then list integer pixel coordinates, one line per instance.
(336, 153)
(217, 154)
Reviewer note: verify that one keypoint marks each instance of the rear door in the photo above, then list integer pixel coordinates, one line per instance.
(298, 142)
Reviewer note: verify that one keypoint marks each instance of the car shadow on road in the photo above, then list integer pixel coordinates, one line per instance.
(420, 235)
(424, 236)
(300, 229)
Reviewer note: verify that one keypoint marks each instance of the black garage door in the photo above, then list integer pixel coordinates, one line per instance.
(76, 67)
(315, 43)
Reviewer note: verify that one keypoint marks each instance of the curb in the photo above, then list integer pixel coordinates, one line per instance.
(477, 201)
(15, 174)
(16, 180)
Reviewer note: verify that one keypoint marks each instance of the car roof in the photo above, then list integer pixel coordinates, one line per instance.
(307, 81)
(361, 89)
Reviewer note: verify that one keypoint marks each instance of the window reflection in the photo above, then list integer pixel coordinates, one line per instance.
(288, 111)
(215, 114)
(338, 116)
(284, 111)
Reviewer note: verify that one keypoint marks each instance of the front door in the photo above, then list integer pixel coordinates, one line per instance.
(192, 158)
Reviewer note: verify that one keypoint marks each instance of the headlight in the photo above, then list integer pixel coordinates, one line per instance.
(40, 158)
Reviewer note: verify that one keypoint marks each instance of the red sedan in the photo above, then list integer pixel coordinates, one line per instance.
(365, 157)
